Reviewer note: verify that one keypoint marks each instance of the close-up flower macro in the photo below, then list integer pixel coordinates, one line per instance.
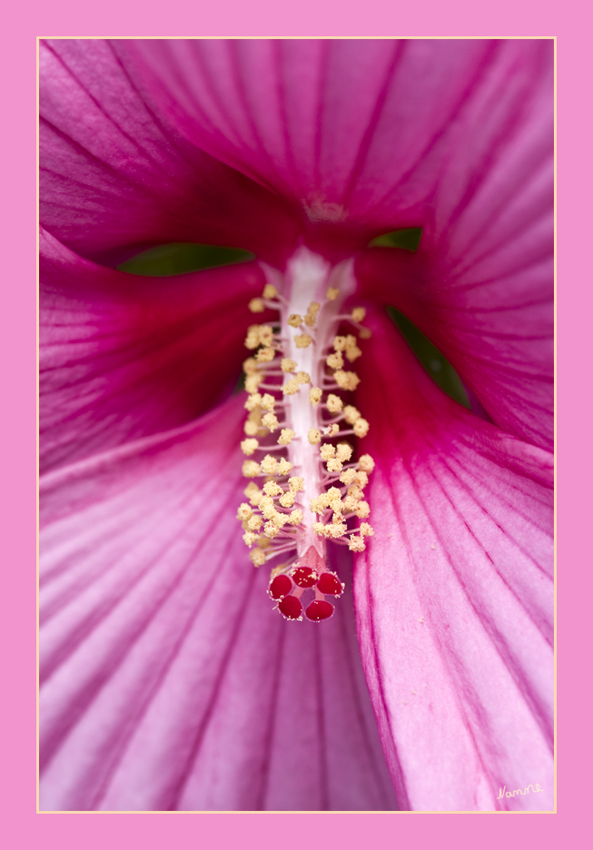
(296, 411)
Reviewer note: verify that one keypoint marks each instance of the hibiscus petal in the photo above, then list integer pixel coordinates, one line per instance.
(356, 132)
(113, 175)
(167, 680)
(122, 356)
(454, 594)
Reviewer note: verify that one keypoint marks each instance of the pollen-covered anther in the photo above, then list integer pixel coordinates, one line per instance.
(335, 360)
(267, 508)
(362, 477)
(288, 365)
(271, 530)
(314, 436)
(315, 394)
(318, 504)
(355, 491)
(279, 519)
(271, 488)
(249, 446)
(253, 493)
(334, 403)
(244, 511)
(312, 312)
(348, 477)
(356, 544)
(256, 305)
(266, 335)
(350, 503)
(352, 352)
(361, 427)
(366, 463)
(332, 430)
(334, 530)
(251, 426)
(270, 421)
(265, 355)
(340, 343)
(295, 320)
(253, 402)
(332, 293)
(250, 366)
(252, 338)
(269, 464)
(269, 292)
(334, 465)
(284, 467)
(366, 530)
(250, 469)
(362, 510)
(263, 542)
(351, 414)
(296, 483)
(267, 402)
(358, 314)
(346, 380)
(343, 452)
(303, 377)
(291, 387)
(249, 538)
(258, 557)
(295, 517)
(327, 451)
(302, 340)
(252, 382)
(287, 499)
(286, 436)
(254, 523)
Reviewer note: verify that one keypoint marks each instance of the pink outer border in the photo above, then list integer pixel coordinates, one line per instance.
(23, 827)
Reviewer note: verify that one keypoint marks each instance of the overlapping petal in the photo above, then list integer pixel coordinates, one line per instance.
(114, 177)
(453, 595)
(167, 680)
(122, 356)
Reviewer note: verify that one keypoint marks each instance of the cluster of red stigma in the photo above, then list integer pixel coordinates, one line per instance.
(288, 588)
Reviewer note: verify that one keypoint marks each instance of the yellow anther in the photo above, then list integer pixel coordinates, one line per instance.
(272, 489)
(269, 465)
(365, 333)
(358, 314)
(245, 525)
(297, 483)
(366, 530)
(315, 394)
(256, 305)
(254, 523)
(362, 478)
(335, 530)
(344, 452)
(335, 360)
(348, 477)
(294, 320)
(291, 387)
(327, 451)
(346, 380)
(250, 469)
(333, 430)
(270, 530)
(319, 528)
(288, 365)
(252, 339)
(284, 467)
(340, 343)
(334, 403)
(263, 542)
(287, 500)
(303, 378)
(356, 544)
(310, 320)
(267, 402)
(270, 421)
(244, 511)
(318, 504)
(253, 493)
(249, 446)
(334, 496)
(332, 293)
(355, 491)
(286, 436)
(334, 465)
(349, 503)
(302, 340)
(366, 463)
(266, 506)
(361, 427)
(258, 557)
(295, 517)
(362, 510)
(314, 436)
(250, 365)
(352, 352)
(314, 308)
(266, 335)
(252, 382)
(249, 538)
(337, 518)
(253, 401)
(351, 414)
(277, 570)
(269, 292)
(251, 428)
(279, 519)
(265, 355)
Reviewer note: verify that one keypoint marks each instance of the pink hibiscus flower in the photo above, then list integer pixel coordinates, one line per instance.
(167, 680)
